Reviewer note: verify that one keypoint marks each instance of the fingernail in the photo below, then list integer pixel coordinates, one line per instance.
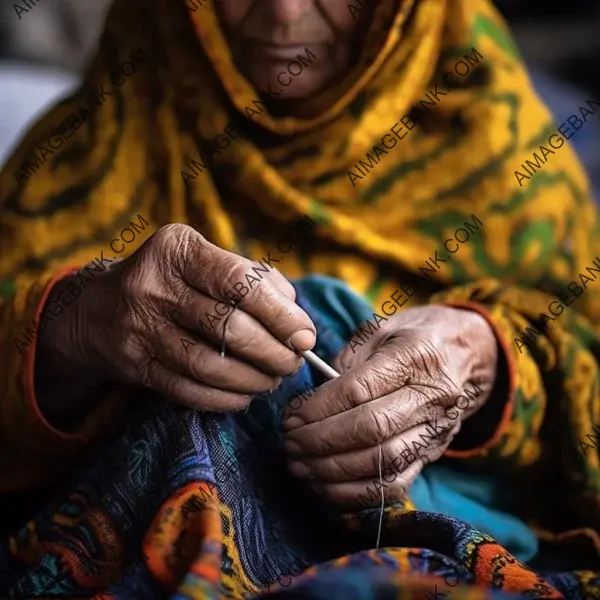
(302, 340)
(292, 447)
(299, 469)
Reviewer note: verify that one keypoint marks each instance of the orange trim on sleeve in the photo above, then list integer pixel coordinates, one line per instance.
(29, 370)
(507, 413)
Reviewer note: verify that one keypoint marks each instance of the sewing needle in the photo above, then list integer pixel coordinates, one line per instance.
(320, 364)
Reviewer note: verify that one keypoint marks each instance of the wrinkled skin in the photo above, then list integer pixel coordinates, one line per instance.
(255, 28)
(404, 381)
(129, 324)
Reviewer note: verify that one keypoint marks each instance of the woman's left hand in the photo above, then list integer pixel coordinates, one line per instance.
(408, 388)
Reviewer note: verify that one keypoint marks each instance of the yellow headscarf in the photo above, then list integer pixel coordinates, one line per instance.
(458, 161)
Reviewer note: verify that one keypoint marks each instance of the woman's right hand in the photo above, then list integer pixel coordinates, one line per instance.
(144, 321)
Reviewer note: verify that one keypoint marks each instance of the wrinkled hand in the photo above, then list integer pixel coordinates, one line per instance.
(408, 388)
(145, 323)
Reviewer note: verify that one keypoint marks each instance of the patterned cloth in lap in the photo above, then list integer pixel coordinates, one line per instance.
(131, 156)
(191, 505)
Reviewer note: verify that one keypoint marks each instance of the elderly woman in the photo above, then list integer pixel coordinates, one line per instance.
(162, 434)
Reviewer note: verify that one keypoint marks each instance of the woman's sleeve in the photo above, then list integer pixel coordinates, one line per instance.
(67, 194)
(32, 451)
(546, 408)
(34, 254)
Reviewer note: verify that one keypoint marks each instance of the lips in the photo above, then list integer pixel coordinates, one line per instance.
(279, 51)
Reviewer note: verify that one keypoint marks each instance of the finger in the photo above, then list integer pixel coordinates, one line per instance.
(364, 426)
(202, 361)
(281, 281)
(397, 454)
(192, 394)
(378, 376)
(243, 335)
(366, 493)
(227, 276)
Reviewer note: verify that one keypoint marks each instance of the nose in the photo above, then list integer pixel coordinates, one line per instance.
(287, 11)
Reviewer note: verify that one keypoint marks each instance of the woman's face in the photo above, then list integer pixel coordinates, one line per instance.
(268, 36)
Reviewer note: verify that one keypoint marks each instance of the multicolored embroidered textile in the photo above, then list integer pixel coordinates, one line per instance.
(200, 505)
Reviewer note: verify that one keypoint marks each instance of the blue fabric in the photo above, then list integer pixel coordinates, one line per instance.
(476, 500)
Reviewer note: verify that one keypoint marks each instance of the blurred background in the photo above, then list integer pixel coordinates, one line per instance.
(43, 53)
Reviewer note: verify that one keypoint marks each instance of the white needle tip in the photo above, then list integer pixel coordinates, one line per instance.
(320, 364)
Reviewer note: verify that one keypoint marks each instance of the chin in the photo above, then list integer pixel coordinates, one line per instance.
(306, 84)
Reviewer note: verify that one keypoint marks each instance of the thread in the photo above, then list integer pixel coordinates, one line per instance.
(382, 498)
(331, 374)
(225, 329)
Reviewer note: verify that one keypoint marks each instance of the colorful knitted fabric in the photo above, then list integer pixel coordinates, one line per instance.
(200, 505)
(441, 213)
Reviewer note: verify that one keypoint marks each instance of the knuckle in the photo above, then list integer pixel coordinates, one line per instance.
(354, 392)
(376, 429)
(170, 229)
(173, 387)
(183, 296)
(230, 275)
(174, 230)
(235, 338)
(399, 420)
(174, 235)
(342, 468)
(289, 290)
(396, 463)
(148, 374)
(199, 362)
(359, 391)
(390, 425)
(236, 271)
(386, 460)
(177, 241)
(381, 426)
